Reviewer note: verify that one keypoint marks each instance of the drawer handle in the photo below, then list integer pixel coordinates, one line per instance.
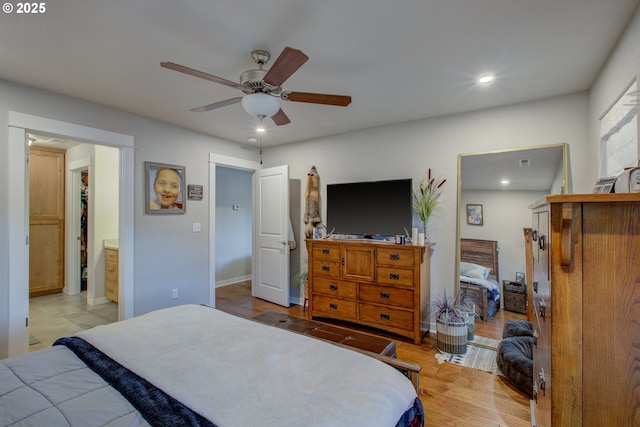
(535, 286)
(534, 235)
(535, 337)
(542, 309)
(333, 287)
(394, 257)
(326, 268)
(326, 251)
(333, 306)
(394, 276)
(385, 316)
(385, 295)
(542, 382)
(541, 242)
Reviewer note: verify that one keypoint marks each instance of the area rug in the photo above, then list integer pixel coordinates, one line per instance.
(481, 354)
(95, 317)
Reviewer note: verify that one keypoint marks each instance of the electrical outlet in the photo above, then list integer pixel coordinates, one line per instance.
(174, 293)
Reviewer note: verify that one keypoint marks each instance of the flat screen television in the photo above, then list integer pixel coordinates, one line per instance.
(374, 209)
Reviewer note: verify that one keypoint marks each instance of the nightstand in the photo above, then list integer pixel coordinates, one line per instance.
(515, 296)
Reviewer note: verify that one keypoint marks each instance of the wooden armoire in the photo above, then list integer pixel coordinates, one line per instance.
(46, 220)
(586, 310)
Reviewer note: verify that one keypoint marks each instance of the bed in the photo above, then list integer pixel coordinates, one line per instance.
(194, 365)
(479, 275)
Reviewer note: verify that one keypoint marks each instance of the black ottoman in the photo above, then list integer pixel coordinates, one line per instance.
(515, 360)
(517, 328)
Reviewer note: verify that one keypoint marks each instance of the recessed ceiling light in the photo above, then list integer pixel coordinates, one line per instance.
(485, 79)
(504, 182)
(260, 129)
(252, 139)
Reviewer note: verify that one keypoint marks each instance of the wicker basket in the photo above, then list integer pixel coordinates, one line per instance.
(451, 336)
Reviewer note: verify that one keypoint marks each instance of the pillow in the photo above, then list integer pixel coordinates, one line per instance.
(466, 267)
(476, 273)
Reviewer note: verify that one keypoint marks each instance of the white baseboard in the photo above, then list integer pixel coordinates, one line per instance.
(233, 281)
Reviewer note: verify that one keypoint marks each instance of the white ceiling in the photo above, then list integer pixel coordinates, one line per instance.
(399, 61)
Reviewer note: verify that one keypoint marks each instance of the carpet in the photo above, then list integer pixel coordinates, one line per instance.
(95, 317)
(481, 354)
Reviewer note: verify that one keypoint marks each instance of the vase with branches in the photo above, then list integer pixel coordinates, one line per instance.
(427, 197)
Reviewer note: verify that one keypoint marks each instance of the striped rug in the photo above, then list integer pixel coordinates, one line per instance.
(481, 354)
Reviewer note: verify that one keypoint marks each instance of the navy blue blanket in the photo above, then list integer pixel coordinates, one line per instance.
(156, 407)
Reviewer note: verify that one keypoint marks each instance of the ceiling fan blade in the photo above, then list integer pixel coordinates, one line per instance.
(317, 98)
(181, 68)
(215, 105)
(280, 118)
(287, 63)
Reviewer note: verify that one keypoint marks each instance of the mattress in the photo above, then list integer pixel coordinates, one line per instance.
(206, 366)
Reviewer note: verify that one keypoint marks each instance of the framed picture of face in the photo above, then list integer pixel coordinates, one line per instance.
(164, 189)
(474, 214)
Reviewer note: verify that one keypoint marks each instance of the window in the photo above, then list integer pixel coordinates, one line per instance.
(619, 134)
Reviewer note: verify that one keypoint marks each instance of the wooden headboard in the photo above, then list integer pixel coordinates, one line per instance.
(481, 252)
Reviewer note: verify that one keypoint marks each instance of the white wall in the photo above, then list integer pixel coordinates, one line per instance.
(103, 209)
(505, 214)
(409, 149)
(167, 254)
(233, 227)
(620, 70)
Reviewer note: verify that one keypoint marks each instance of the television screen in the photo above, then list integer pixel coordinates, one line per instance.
(379, 208)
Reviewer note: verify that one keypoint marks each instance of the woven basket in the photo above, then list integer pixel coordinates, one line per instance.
(451, 336)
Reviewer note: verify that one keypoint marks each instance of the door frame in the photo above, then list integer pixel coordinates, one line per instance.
(228, 162)
(72, 244)
(18, 304)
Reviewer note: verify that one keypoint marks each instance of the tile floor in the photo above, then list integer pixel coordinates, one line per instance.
(60, 315)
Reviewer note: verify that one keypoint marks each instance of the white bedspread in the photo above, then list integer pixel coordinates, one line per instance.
(237, 372)
(491, 285)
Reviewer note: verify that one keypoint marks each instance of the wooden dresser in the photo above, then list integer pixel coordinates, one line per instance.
(586, 310)
(382, 285)
(111, 268)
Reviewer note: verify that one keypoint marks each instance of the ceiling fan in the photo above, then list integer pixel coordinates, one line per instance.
(263, 88)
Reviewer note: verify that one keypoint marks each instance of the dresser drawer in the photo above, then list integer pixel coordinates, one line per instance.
(394, 276)
(111, 255)
(111, 273)
(334, 288)
(388, 295)
(326, 252)
(516, 302)
(326, 268)
(395, 256)
(111, 290)
(386, 316)
(334, 307)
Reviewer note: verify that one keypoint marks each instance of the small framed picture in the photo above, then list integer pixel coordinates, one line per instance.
(474, 214)
(520, 278)
(164, 189)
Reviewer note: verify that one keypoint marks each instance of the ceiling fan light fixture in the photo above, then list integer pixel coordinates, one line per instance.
(261, 105)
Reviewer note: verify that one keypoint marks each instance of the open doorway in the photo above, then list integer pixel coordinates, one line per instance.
(18, 304)
(87, 215)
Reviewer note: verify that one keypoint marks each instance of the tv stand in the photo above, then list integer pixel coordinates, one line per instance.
(371, 283)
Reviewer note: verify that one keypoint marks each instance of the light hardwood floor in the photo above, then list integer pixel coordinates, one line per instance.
(452, 395)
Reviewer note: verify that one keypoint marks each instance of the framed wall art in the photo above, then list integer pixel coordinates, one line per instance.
(164, 189)
(474, 214)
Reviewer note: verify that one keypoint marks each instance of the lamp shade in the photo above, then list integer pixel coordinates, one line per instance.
(261, 105)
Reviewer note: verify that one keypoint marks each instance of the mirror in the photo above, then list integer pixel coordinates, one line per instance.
(499, 186)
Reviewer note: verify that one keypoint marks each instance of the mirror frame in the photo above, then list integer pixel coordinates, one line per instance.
(566, 186)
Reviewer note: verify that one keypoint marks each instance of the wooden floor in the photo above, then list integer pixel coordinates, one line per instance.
(452, 395)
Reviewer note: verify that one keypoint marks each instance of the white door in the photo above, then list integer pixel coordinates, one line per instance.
(270, 225)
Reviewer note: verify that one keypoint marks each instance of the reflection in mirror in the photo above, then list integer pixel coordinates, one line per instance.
(504, 184)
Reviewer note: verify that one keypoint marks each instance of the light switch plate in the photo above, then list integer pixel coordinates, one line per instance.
(196, 227)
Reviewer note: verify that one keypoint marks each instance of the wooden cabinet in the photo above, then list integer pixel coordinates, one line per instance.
(46, 220)
(515, 296)
(111, 272)
(376, 284)
(586, 314)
